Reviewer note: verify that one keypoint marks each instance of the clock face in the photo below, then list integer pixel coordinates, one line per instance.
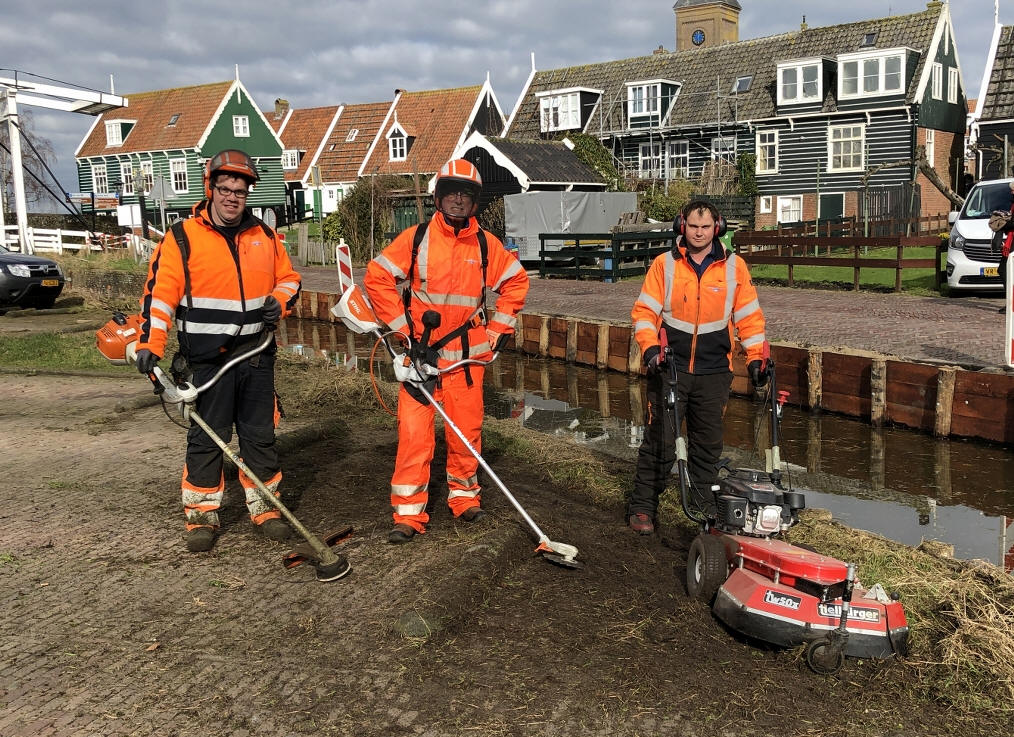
(697, 37)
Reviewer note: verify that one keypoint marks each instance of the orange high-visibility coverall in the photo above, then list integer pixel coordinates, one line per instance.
(447, 278)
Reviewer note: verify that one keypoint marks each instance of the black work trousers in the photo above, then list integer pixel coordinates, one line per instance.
(244, 396)
(701, 400)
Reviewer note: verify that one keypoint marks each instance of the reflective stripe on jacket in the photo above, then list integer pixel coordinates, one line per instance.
(448, 279)
(228, 286)
(699, 313)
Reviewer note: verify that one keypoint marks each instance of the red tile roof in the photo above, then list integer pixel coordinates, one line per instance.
(437, 119)
(153, 111)
(303, 131)
(340, 160)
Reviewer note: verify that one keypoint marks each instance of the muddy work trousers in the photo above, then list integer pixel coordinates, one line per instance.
(701, 400)
(244, 397)
(416, 445)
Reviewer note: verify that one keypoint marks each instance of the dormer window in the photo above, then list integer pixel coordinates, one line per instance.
(800, 82)
(290, 159)
(869, 74)
(645, 98)
(397, 142)
(117, 130)
(560, 110)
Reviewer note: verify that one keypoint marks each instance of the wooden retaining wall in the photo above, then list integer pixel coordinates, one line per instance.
(943, 400)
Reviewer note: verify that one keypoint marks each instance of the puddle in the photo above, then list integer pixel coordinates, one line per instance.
(902, 484)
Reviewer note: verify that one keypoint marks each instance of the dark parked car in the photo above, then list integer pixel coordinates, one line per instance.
(28, 281)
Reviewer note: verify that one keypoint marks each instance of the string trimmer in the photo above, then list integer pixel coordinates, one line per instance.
(117, 341)
(357, 314)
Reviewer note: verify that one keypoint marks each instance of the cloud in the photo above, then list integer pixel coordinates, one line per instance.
(323, 52)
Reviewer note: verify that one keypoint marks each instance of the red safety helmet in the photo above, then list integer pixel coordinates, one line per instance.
(231, 161)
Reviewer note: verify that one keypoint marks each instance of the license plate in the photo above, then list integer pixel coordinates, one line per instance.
(56, 282)
(990, 271)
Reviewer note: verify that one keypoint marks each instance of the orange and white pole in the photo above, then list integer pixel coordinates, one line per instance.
(343, 257)
(1009, 315)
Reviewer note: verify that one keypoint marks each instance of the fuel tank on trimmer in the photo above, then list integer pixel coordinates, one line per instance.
(788, 596)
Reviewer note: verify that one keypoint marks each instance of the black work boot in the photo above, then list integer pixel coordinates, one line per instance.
(400, 533)
(641, 523)
(200, 539)
(473, 514)
(275, 529)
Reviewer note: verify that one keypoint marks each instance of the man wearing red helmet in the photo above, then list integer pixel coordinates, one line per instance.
(445, 265)
(223, 278)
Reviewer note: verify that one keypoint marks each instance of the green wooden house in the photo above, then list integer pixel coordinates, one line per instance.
(162, 139)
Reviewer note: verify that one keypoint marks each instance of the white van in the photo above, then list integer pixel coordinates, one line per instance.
(971, 263)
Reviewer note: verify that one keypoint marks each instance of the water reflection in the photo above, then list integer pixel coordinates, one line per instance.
(901, 484)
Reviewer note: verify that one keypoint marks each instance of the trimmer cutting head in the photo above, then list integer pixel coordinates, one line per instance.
(561, 554)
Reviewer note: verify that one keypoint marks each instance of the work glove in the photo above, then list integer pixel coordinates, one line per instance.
(757, 377)
(653, 359)
(497, 341)
(271, 312)
(146, 361)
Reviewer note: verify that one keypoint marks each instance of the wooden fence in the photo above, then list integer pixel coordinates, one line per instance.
(767, 247)
(853, 226)
(604, 256)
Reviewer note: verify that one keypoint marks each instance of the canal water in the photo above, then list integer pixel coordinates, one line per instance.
(905, 485)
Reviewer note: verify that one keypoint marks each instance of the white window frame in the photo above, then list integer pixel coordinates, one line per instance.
(952, 85)
(560, 109)
(127, 176)
(787, 204)
(643, 98)
(351, 136)
(742, 84)
(931, 141)
(649, 160)
(290, 159)
(765, 204)
(397, 146)
(100, 174)
(719, 147)
(798, 86)
(678, 159)
(241, 126)
(178, 175)
(148, 172)
(831, 143)
(761, 145)
(114, 133)
(870, 68)
(937, 80)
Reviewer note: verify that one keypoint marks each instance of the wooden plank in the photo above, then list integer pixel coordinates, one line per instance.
(945, 402)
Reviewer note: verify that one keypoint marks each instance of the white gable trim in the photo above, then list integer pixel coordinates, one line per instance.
(379, 134)
(521, 97)
(320, 147)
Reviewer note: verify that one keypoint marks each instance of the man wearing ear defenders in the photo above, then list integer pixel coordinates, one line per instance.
(698, 294)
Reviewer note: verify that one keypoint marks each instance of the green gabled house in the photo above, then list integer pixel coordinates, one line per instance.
(164, 138)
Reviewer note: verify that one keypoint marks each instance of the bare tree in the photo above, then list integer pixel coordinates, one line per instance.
(36, 154)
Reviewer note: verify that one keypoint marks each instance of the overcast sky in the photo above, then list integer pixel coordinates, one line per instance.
(326, 52)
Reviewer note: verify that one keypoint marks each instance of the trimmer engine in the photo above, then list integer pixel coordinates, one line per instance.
(117, 339)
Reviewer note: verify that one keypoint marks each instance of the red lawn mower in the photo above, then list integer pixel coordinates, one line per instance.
(763, 587)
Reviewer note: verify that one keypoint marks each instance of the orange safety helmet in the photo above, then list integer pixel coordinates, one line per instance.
(452, 176)
(231, 161)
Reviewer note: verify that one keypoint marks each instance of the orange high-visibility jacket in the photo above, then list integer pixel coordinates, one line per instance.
(228, 286)
(699, 314)
(448, 279)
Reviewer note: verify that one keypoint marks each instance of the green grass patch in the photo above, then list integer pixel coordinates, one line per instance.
(913, 281)
(54, 352)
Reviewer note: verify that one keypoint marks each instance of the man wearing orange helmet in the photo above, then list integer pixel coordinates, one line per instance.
(223, 278)
(445, 265)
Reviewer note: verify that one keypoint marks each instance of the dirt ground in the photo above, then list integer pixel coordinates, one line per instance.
(109, 627)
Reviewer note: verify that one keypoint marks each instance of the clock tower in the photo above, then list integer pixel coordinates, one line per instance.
(703, 23)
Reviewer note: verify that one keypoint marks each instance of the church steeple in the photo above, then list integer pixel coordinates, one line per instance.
(703, 23)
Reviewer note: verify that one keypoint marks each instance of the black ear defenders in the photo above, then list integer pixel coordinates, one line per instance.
(679, 226)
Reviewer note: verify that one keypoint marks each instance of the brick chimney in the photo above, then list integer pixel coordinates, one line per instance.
(281, 108)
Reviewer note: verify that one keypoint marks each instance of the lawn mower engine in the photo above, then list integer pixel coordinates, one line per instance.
(783, 594)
